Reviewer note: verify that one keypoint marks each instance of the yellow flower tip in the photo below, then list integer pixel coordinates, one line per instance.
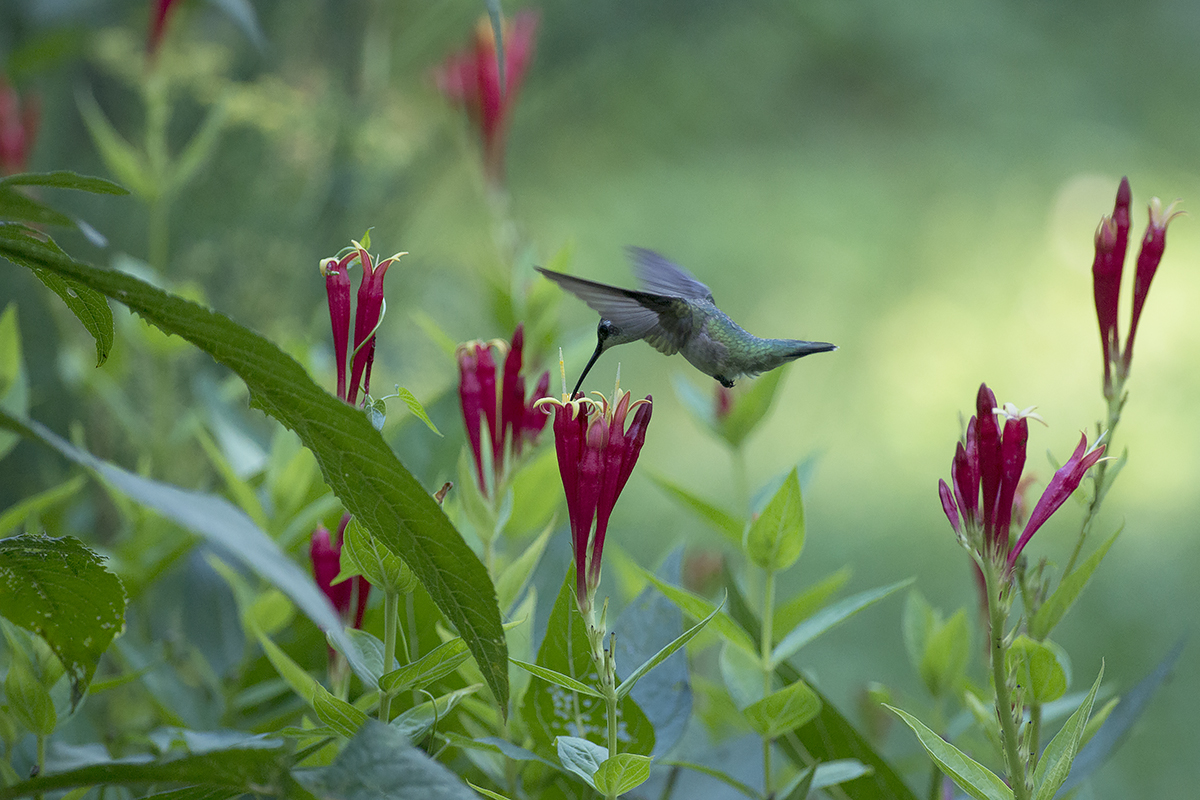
(324, 266)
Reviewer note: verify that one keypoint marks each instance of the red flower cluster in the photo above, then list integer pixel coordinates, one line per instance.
(988, 463)
(1112, 239)
(367, 315)
(471, 78)
(510, 418)
(596, 455)
(327, 563)
(19, 120)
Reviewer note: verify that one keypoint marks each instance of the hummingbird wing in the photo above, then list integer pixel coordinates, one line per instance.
(664, 322)
(657, 274)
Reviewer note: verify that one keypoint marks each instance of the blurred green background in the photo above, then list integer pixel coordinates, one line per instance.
(917, 182)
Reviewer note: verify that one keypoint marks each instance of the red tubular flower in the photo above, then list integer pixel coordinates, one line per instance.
(471, 78)
(989, 458)
(511, 420)
(596, 456)
(19, 120)
(327, 563)
(337, 290)
(1153, 244)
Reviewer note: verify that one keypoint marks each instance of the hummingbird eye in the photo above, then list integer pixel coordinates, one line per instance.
(606, 329)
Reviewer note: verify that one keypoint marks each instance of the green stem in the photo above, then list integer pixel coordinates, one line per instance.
(391, 622)
(767, 645)
(1010, 735)
(935, 783)
(1115, 404)
(41, 759)
(158, 244)
(1035, 733)
(610, 699)
(741, 483)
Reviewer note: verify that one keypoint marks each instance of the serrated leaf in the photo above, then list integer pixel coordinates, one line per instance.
(722, 521)
(1055, 763)
(783, 710)
(434, 665)
(61, 590)
(581, 757)
(662, 655)
(971, 776)
(829, 617)
(1038, 668)
(774, 540)
(355, 461)
(1069, 588)
(621, 773)
(65, 179)
(700, 608)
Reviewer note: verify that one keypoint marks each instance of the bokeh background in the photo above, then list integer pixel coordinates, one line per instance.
(917, 182)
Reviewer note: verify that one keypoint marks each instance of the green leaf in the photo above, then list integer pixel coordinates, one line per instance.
(253, 767)
(783, 711)
(88, 305)
(363, 555)
(371, 649)
(775, 539)
(487, 792)
(517, 574)
(337, 713)
(551, 710)
(434, 665)
(809, 601)
(65, 179)
(557, 678)
(944, 663)
(728, 780)
(662, 655)
(829, 617)
(1038, 667)
(18, 207)
(750, 407)
(621, 773)
(28, 699)
(1055, 763)
(14, 385)
(355, 461)
(60, 590)
(700, 608)
(581, 757)
(742, 675)
(414, 406)
(831, 773)
(971, 776)
(725, 523)
(416, 722)
(798, 787)
(122, 159)
(380, 764)
(1069, 588)
(216, 520)
(197, 150)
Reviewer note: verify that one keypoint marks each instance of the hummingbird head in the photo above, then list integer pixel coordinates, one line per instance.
(607, 335)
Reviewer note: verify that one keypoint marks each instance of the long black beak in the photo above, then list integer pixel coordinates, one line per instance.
(595, 355)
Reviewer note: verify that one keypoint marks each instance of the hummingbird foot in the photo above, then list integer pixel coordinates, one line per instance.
(728, 384)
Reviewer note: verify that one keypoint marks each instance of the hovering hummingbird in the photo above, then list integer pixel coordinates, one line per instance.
(675, 313)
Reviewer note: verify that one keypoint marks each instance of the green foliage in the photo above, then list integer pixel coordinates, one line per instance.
(774, 540)
(937, 648)
(363, 555)
(829, 617)
(621, 773)
(784, 710)
(1055, 763)
(14, 386)
(1040, 668)
(61, 590)
(1069, 588)
(971, 776)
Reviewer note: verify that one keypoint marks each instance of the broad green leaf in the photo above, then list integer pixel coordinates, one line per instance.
(14, 385)
(416, 722)
(516, 575)
(355, 461)
(621, 773)
(60, 590)
(1069, 588)
(971, 776)
(809, 601)
(64, 179)
(337, 713)
(16, 515)
(830, 736)
(256, 766)
(829, 617)
(380, 764)
(363, 555)
(775, 539)
(725, 523)
(665, 652)
(557, 678)
(434, 665)
(1038, 667)
(549, 710)
(783, 710)
(89, 306)
(216, 520)
(371, 651)
(700, 608)
(1055, 763)
(581, 757)
(28, 699)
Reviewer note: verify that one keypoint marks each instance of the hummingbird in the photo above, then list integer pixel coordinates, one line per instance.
(675, 313)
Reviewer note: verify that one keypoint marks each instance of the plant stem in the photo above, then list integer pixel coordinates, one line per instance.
(41, 759)
(998, 619)
(1099, 490)
(391, 621)
(741, 483)
(767, 645)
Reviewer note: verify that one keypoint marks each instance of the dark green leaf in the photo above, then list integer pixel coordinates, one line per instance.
(416, 722)
(362, 554)
(971, 776)
(380, 764)
(60, 590)
(64, 179)
(17, 207)
(357, 464)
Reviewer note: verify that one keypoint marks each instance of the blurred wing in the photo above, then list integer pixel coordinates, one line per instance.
(664, 322)
(657, 274)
